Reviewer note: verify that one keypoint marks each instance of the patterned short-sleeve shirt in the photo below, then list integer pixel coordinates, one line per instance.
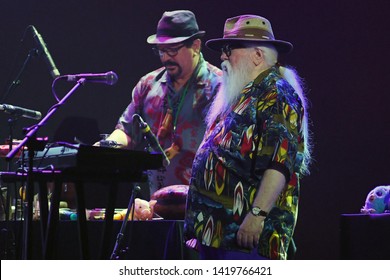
(262, 131)
(152, 97)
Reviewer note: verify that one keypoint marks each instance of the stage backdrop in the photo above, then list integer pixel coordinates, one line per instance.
(341, 49)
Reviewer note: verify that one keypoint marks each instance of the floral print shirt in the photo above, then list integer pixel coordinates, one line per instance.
(152, 97)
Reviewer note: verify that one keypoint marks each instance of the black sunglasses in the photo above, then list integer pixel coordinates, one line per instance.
(227, 49)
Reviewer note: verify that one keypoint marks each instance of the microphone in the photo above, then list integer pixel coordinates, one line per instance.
(109, 78)
(137, 189)
(151, 138)
(21, 112)
(46, 55)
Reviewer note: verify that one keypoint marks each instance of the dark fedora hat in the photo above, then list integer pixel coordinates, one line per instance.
(175, 27)
(248, 29)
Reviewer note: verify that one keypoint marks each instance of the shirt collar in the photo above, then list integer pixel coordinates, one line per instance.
(263, 75)
(257, 80)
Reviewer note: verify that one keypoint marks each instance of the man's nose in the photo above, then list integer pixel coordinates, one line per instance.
(224, 56)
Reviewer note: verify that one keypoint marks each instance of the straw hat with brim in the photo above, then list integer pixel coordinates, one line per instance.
(176, 27)
(248, 30)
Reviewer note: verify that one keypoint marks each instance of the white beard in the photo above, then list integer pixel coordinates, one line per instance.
(234, 80)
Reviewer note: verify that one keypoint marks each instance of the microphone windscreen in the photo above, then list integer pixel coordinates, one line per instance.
(112, 78)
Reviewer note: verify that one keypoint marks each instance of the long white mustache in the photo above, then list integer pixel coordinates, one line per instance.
(233, 82)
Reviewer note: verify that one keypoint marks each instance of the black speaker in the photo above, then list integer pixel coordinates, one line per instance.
(365, 236)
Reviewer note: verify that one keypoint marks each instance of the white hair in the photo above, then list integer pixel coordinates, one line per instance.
(296, 82)
(291, 76)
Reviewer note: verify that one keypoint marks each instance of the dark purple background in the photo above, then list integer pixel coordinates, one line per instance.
(341, 49)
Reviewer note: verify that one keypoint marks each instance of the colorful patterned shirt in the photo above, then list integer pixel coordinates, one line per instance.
(263, 131)
(152, 97)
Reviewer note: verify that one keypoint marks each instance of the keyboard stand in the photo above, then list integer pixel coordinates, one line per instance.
(116, 170)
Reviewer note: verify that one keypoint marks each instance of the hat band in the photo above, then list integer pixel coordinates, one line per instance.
(175, 33)
(249, 33)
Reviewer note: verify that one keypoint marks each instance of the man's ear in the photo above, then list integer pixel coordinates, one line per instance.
(257, 56)
(196, 45)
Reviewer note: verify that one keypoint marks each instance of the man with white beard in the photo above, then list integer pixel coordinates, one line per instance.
(244, 189)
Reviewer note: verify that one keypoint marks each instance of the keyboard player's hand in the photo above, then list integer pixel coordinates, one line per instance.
(109, 144)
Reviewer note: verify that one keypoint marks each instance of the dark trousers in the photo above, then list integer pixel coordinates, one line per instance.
(210, 253)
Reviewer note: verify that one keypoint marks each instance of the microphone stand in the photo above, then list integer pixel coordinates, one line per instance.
(11, 121)
(6, 204)
(114, 255)
(34, 144)
(16, 81)
(11, 87)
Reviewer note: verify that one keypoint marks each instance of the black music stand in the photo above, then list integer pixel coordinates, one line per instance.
(82, 128)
